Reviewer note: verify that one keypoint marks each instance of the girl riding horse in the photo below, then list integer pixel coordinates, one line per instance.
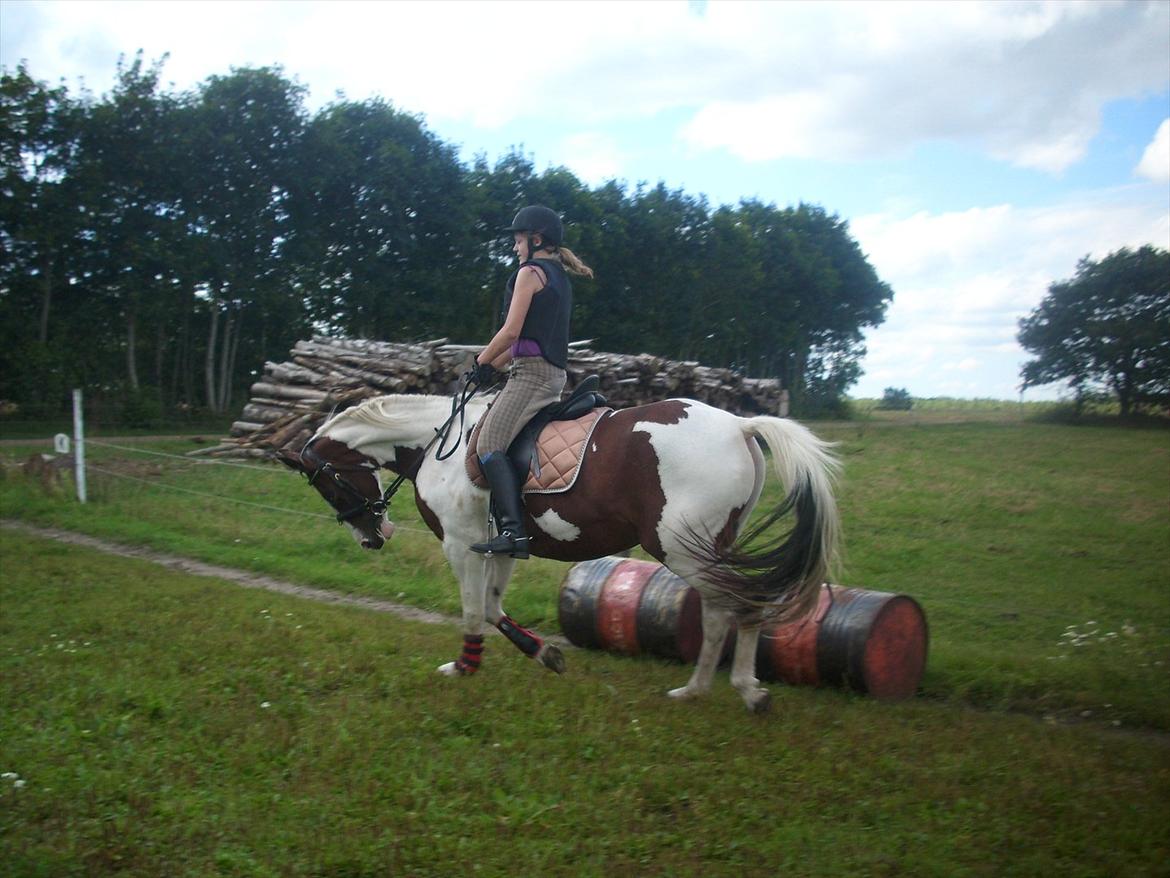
(534, 344)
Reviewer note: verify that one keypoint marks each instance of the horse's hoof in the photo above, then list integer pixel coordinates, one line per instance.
(552, 658)
(683, 693)
(759, 702)
(449, 670)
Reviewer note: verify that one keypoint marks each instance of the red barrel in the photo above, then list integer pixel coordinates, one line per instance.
(631, 607)
(871, 641)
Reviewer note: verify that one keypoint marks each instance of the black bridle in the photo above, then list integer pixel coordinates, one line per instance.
(363, 504)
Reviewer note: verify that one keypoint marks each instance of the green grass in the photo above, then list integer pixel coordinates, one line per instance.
(1039, 552)
(163, 724)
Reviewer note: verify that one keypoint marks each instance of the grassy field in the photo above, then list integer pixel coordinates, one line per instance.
(134, 698)
(156, 723)
(1040, 552)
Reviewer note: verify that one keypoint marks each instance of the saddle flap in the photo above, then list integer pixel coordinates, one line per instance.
(559, 450)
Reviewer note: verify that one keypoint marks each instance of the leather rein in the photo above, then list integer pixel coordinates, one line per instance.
(363, 504)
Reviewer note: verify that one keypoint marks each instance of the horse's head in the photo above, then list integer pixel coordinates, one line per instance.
(348, 480)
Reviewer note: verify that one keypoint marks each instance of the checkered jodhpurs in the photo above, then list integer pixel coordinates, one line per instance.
(533, 383)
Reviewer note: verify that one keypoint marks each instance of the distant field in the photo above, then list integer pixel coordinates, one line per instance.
(1040, 552)
(156, 723)
(943, 409)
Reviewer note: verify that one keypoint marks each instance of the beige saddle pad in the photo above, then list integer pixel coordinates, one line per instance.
(561, 449)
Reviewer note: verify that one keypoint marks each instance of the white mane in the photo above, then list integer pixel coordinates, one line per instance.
(400, 415)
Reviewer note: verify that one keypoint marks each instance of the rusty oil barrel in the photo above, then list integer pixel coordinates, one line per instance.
(631, 607)
(870, 641)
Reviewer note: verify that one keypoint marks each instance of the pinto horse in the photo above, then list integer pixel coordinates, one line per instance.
(677, 477)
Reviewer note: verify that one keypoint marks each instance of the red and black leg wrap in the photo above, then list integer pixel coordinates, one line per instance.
(527, 642)
(468, 661)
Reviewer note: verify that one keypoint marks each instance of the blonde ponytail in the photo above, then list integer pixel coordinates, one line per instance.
(572, 263)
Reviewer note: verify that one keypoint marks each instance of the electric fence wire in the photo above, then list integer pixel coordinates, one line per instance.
(1006, 610)
(206, 494)
(194, 461)
(116, 475)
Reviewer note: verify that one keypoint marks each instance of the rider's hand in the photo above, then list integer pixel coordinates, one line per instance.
(485, 374)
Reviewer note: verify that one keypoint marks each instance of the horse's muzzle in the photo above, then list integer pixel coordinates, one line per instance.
(385, 531)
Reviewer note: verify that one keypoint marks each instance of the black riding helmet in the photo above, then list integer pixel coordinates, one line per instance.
(536, 219)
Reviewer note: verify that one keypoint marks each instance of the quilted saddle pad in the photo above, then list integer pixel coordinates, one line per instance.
(561, 450)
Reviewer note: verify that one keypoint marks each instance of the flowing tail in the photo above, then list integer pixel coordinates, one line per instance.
(781, 577)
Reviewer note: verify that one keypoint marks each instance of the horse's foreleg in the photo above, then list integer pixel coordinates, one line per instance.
(472, 590)
(716, 624)
(528, 642)
(743, 669)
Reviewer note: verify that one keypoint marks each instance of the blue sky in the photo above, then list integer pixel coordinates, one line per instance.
(978, 150)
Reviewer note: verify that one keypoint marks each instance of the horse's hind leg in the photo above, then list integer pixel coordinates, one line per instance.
(743, 669)
(528, 642)
(716, 624)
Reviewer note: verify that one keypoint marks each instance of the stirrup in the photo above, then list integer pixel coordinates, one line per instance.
(504, 544)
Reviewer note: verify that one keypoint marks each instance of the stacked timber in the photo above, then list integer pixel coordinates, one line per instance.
(293, 398)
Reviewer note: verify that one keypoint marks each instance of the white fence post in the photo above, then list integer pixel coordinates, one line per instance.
(78, 445)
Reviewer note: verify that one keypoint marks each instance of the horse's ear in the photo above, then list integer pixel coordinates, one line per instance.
(291, 459)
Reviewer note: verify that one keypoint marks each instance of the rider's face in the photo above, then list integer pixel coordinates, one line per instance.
(520, 245)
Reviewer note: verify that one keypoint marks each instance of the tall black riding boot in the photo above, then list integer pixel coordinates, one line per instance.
(507, 507)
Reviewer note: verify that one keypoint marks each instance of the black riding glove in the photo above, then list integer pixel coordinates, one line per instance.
(485, 374)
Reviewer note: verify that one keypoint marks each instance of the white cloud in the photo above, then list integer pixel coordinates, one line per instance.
(968, 364)
(1155, 163)
(593, 156)
(1024, 82)
(963, 279)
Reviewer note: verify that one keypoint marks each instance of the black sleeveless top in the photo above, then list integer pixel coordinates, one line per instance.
(547, 322)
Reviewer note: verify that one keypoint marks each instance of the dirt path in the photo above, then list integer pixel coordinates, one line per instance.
(239, 577)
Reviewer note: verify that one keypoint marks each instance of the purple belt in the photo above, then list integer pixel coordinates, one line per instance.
(526, 347)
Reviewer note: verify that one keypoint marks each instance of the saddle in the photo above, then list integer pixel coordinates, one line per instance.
(552, 445)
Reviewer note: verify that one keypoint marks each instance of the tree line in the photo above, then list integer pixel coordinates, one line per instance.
(158, 246)
(1106, 332)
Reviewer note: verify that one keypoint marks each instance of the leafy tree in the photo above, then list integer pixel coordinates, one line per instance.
(164, 245)
(39, 128)
(897, 399)
(1109, 326)
(244, 131)
(123, 177)
(386, 225)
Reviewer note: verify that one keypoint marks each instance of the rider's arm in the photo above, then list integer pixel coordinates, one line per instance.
(528, 283)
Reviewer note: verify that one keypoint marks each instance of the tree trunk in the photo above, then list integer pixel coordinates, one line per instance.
(46, 299)
(226, 384)
(159, 351)
(132, 350)
(1125, 395)
(225, 344)
(185, 359)
(209, 360)
(231, 385)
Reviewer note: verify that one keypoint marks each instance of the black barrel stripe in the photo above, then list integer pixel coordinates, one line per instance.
(844, 634)
(577, 607)
(659, 612)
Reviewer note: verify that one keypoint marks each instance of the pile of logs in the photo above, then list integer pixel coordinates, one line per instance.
(293, 398)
